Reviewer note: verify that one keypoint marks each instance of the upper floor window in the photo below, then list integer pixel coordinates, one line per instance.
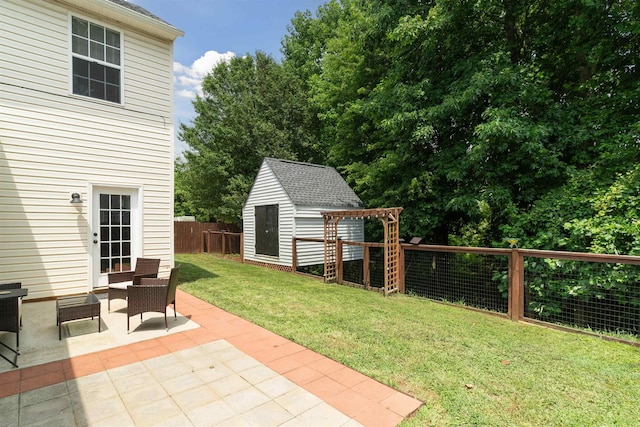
(97, 71)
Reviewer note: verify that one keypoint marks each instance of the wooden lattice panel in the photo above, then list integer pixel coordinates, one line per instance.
(286, 268)
(391, 252)
(390, 217)
(330, 248)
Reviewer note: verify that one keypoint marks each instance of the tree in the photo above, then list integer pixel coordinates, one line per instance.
(250, 109)
(469, 113)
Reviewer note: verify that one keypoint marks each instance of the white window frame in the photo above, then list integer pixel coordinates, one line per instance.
(71, 55)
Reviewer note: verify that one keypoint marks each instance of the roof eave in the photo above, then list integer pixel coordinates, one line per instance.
(127, 17)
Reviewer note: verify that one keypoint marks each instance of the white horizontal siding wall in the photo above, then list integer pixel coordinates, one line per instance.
(267, 190)
(53, 143)
(310, 224)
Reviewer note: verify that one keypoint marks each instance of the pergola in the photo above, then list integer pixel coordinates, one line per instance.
(390, 218)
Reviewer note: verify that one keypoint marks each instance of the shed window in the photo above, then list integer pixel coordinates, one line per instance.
(95, 52)
(267, 236)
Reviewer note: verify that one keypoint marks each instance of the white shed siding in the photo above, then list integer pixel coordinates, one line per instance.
(53, 143)
(309, 223)
(267, 190)
(294, 221)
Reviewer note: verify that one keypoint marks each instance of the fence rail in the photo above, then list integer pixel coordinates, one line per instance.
(593, 293)
(221, 242)
(187, 236)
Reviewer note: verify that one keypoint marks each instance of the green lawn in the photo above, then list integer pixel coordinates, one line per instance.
(470, 368)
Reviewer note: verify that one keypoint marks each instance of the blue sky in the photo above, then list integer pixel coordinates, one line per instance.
(217, 30)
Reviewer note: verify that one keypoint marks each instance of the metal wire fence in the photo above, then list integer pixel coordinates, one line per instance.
(591, 292)
(369, 274)
(602, 297)
(473, 280)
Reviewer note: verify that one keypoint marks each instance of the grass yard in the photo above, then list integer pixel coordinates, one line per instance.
(469, 368)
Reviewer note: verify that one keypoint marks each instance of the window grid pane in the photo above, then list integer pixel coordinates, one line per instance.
(80, 27)
(97, 33)
(96, 80)
(80, 45)
(97, 51)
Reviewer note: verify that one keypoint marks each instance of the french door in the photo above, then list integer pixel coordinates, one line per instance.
(115, 231)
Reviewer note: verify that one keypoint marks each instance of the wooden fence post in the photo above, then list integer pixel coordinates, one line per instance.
(516, 285)
(294, 254)
(366, 273)
(401, 271)
(340, 270)
(224, 241)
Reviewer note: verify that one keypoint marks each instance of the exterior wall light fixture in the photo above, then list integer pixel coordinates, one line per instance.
(75, 198)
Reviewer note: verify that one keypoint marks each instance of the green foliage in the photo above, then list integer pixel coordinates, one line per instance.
(468, 113)
(614, 226)
(251, 108)
(585, 215)
(483, 120)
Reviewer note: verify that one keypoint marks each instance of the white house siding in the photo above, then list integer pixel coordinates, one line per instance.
(267, 190)
(310, 224)
(53, 143)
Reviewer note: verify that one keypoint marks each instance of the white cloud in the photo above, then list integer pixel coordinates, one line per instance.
(188, 79)
(184, 93)
(187, 83)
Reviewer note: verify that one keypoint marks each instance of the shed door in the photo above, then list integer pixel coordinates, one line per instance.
(267, 236)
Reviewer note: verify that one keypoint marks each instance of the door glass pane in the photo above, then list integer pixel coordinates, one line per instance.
(115, 233)
(104, 234)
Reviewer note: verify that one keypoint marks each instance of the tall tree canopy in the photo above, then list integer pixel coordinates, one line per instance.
(251, 108)
(468, 114)
(478, 117)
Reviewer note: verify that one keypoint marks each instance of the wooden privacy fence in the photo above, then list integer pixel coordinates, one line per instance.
(591, 292)
(221, 242)
(187, 236)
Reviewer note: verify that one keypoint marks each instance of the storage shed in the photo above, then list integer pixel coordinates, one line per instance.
(285, 201)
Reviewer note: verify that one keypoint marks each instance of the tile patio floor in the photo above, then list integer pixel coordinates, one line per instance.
(228, 372)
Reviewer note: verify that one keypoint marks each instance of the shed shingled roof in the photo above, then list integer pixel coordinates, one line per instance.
(313, 185)
(139, 10)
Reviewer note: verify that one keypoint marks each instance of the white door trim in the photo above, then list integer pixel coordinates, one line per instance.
(96, 279)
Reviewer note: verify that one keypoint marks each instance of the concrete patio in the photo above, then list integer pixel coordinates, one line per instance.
(211, 369)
